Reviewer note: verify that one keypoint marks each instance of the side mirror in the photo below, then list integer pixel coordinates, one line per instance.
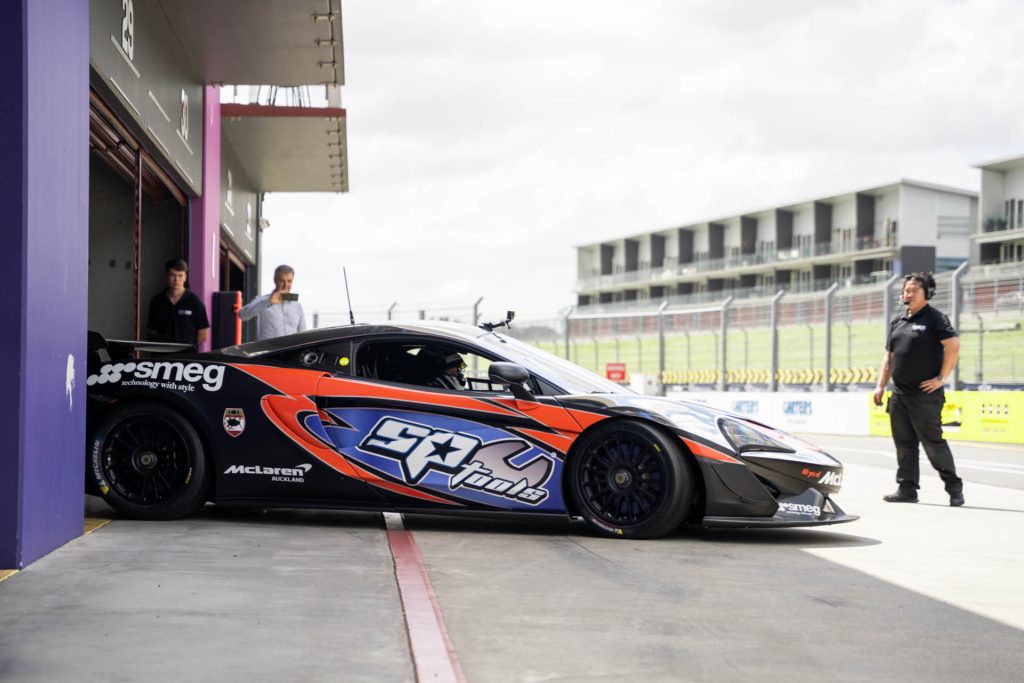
(513, 375)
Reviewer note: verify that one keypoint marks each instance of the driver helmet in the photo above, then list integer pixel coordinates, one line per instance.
(454, 361)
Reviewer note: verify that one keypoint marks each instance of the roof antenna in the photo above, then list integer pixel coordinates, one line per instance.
(351, 317)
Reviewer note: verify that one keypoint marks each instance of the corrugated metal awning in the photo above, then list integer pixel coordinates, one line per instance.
(282, 42)
(289, 149)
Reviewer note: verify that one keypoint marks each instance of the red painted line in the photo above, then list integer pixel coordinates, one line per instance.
(433, 655)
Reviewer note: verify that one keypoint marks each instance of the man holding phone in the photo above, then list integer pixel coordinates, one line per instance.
(279, 312)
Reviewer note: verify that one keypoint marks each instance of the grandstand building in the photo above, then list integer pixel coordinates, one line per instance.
(998, 237)
(857, 237)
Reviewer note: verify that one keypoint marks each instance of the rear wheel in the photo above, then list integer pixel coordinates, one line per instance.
(147, 461)
(629, 480)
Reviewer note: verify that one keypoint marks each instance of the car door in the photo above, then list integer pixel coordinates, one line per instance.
(426, 446)
(274, 440)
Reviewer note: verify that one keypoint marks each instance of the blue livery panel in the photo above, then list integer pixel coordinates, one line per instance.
(457, 458)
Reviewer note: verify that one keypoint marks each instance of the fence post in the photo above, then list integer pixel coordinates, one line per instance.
(723, 382)
(476, 317)
(661, 348)
(981, 349)
(773, 380)
(568, 330)
(828, 334)
(391, 308)
(689, 364)
(476, 321)
(746, 348)
(849, 342)
(887, 308)
(810, 344)
(957, 298)
(316, 319)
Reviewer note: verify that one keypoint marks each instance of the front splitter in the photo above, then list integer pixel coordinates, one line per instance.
(810, 508)
(773, 522)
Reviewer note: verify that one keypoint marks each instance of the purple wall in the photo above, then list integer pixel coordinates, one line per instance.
(204, 250)
(44, 96)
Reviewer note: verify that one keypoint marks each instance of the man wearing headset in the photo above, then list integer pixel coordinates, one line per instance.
(921, 352)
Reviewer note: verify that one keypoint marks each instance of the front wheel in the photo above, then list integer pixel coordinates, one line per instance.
(147, 461)
(629, 480)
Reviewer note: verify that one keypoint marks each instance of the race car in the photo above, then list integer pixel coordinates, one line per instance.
(368, 417)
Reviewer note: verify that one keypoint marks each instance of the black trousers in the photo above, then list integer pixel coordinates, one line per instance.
(917, 418)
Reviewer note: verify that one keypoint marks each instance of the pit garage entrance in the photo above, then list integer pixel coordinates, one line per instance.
(138, 220)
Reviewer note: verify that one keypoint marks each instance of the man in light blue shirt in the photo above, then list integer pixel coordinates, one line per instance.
(279, 313)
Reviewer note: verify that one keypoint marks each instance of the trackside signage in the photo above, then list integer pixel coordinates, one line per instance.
(616, 372)
(819, 413)
(173, 375)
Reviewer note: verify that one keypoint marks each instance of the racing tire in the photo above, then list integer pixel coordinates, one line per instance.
(147, 462)
(629, 480)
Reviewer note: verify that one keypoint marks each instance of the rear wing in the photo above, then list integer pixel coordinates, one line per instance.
(102, 351)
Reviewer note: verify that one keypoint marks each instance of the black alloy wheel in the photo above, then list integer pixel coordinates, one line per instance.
(148, 462)
(629, 480)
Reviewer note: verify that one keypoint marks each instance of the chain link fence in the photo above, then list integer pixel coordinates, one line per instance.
(830, 340)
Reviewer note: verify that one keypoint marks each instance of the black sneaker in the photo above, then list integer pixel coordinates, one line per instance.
(901, 496)
(956, 500)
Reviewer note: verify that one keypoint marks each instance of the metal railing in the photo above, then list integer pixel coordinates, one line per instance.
(827, 339)
(328, 95)
(739, 261)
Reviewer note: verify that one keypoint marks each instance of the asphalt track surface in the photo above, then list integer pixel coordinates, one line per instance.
(908, 592)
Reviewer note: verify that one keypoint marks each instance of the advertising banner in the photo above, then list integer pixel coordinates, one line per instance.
(819, 413)
(616, 372)
(970, 416)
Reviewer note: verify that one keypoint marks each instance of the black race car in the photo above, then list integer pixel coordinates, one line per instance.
(431, 417)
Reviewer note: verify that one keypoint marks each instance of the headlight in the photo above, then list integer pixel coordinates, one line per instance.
(743, 437)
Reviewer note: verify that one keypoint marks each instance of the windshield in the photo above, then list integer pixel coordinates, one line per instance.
(570, 377)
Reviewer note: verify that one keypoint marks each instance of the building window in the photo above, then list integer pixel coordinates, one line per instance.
(953, 226)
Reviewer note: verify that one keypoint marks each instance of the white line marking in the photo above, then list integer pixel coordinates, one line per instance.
(961, 462)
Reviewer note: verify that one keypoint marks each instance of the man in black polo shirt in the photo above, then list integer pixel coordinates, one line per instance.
(921, 352)
(176, 314)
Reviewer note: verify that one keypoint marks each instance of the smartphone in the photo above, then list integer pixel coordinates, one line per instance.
(289, 296)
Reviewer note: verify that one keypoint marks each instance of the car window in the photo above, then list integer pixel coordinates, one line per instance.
(334, 357)
(559, 375)
(434, 364)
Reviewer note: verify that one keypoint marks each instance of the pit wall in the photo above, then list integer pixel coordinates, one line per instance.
(986, 416)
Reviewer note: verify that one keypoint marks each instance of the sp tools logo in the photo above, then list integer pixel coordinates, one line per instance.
(466, 460)
(163, 374)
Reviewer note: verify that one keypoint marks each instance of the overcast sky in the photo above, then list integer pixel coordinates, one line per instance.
(487, 139)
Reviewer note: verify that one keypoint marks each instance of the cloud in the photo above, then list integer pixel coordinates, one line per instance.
(487, 140)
